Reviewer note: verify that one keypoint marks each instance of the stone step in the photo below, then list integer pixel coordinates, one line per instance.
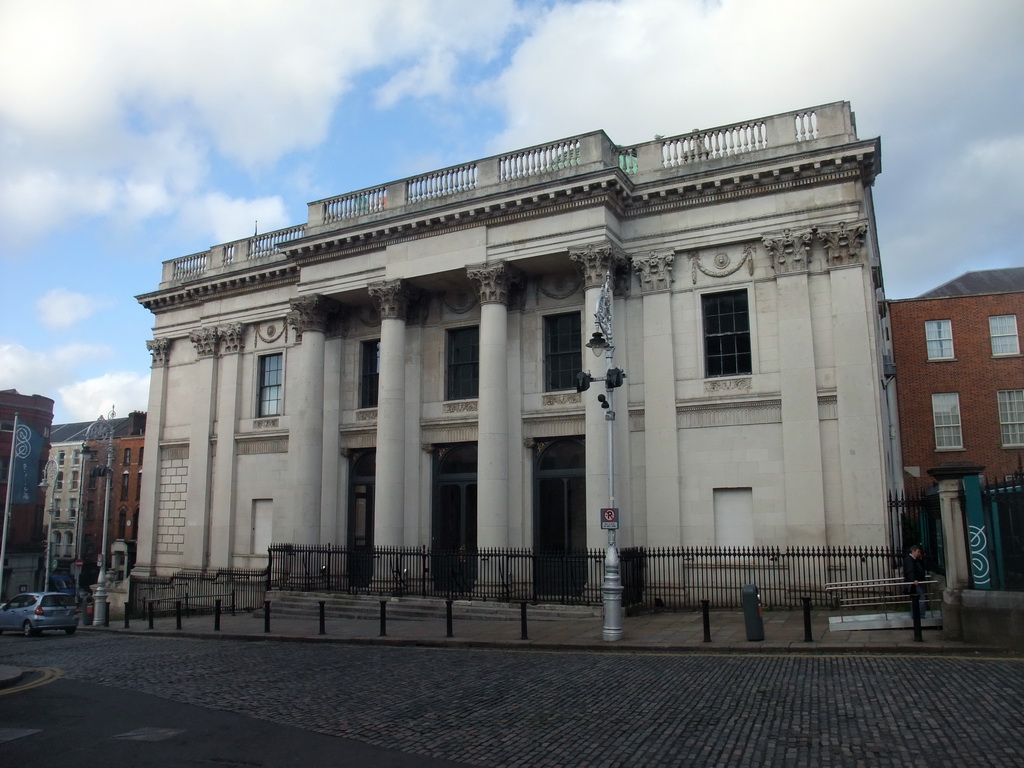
(368, 607)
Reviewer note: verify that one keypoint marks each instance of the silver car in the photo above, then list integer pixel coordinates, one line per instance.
(32, 612)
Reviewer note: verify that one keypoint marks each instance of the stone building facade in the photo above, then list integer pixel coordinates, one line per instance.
(401, 369)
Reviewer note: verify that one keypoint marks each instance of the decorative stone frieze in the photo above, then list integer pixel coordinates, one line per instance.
(270, 332)
(842, 245)
(160, 350)
(466, 406)
(561, 286)
(730, 414)
(493, 282)
(722, 264)
(789, 251)
(311, 313)
(205, 341)
(265, 424)
(563, 398)
(654, 271)
(232, 337)
(367, 414)
(596, 261)
(728, 385)
(393, 298)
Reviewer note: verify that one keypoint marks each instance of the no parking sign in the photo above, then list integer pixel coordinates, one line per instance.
(610, 518)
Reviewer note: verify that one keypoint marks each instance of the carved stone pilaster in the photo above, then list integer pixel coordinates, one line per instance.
(392, 298)
(595, 261)
(205, 341)
(842, 245)
(232, 337)
(790, 252)
(654, 271)
(160, 350)
(493, 282)
(311, 313)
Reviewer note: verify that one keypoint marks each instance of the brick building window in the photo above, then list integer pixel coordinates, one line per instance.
(1011, 416)
(1003, 329)
(127, 456)
(939, 335)
(946, 416)
(562, 351)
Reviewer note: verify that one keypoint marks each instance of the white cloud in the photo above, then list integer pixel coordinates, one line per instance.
(228, 219)
(42, 373)
(126, 391)
(60, 308)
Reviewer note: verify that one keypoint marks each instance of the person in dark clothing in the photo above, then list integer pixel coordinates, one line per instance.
(913, 574)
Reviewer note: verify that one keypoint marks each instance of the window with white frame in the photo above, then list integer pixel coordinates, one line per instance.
(271, 383)
(946, 416)
(1011, 416)
(1003, 329)
(727, 350)
(939, 335)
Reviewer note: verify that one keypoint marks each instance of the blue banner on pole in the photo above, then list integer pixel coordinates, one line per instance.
(28, 444)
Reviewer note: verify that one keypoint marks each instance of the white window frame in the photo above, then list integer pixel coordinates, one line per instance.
(1004, 339)
(258, 409)
(1011, 417)
(946, 420)
(936, 334)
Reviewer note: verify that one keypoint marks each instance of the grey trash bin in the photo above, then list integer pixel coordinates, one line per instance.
(752, 618)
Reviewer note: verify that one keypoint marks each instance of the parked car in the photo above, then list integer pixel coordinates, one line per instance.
(32, 612)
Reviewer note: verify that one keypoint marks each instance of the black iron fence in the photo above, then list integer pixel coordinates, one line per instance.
(1002, 534)
(915, 519)
(670, 578)
(241, 588)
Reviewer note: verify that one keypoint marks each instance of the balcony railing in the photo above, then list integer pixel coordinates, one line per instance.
(557, 160)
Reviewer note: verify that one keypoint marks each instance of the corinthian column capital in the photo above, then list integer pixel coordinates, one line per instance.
(311, 313)
(843, 245)
(392, 297)
(160, 350)
(493, 281)
(654, 271)
(596, 260)
(206, 340)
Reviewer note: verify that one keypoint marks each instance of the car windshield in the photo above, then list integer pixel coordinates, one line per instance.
(52, 601)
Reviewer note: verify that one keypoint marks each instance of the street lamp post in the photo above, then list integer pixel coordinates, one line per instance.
(46, 483)
(611, 590)
(103, 429)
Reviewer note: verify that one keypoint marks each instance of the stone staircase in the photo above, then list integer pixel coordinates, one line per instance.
(342, 606)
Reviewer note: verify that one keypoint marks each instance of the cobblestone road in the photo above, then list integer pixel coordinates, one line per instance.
(530, 708)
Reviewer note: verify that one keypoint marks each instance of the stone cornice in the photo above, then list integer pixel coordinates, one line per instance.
(236, 283)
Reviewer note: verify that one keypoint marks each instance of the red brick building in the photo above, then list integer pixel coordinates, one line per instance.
(960, 375)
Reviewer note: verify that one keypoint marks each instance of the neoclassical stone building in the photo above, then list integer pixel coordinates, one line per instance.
(401, 369)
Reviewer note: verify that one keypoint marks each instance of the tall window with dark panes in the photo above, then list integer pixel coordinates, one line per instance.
(463, 375)
(562, 347)
(370, 374)
(271, 378)
(726, 334)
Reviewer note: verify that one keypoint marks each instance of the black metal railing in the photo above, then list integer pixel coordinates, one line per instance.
(916, 519)
(670, 578)
(242, 588)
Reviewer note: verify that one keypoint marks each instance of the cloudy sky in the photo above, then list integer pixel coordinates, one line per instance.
(133, 133)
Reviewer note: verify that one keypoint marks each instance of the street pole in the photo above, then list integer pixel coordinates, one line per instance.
(51, 489)
(102, 426)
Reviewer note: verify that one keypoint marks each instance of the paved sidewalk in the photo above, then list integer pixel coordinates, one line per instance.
(667, 631)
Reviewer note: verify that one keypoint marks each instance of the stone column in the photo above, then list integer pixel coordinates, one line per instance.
(389, 518)
(803, 477)
(304, 405)
(954, 540)
(203, 393)
(661, 432)
(149, 499)
(222, 505)
(331, 527)
(596, 261)
(492, 283)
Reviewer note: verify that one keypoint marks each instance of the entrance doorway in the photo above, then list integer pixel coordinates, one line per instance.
(560, 518)
(455, 518)
(362, 482)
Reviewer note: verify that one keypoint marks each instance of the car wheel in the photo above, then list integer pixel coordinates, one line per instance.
(71, 630)
(27, 630)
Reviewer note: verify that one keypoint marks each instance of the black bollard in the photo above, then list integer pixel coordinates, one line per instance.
(150, 606)
(323, 627)
(177, 614)
(383, 618)
(522, 621)
(808, 637)
(915, 610)
(448, 611)
(266, 615)
(106, 615)
(216, 615)
(706, 614)
(232, 602)
(127, 623)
